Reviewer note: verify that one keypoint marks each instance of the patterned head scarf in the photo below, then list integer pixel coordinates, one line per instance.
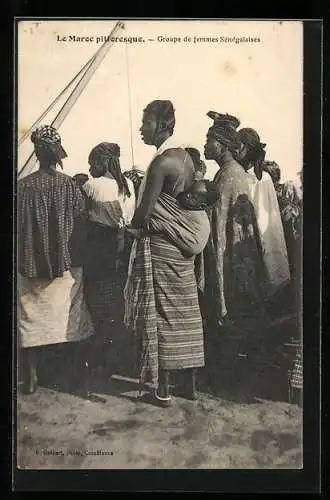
(106, 150)
(200, 167)
(255, 154)
(81, 179)
(164, 112)
(47, 138)
(224, 129)
(274, 171)
(107, 154)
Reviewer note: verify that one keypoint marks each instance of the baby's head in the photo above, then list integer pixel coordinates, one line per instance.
(81, 179)
(199, 165)
(202, 194)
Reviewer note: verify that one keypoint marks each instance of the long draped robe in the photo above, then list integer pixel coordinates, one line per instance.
(51, 307)
(264, 199)
(234, 270)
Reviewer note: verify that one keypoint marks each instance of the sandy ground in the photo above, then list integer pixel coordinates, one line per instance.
(59, 430)
(243, 421)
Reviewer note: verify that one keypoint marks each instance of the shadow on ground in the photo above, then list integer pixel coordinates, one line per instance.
(242, 419)
(242, 369)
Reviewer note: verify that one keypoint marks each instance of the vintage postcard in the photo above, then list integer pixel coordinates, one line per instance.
(159, 242)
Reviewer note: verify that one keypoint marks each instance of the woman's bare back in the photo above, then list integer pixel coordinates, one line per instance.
(172, 173)
(180, 176)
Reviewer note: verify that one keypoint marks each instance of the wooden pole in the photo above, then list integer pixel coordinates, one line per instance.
(66, 108)
(52, 104)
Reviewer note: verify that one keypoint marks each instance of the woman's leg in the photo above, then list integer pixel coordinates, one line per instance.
(190, 384)
(31, 378)
(83, 362)
(162, 394)
(82, 354)
(193, 392)
(164, 384)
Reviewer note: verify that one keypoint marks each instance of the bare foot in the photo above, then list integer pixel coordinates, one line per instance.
(31, 384)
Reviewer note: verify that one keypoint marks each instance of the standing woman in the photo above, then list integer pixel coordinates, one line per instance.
(51, 306)
(264, 199)
(234, 271)
(111, 205)
(233, 258)
(161, 292)
(289, 197)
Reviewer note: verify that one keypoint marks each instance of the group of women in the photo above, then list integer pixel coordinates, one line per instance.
(79, 247)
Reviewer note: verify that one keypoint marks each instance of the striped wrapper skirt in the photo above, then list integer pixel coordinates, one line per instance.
(179, 321)
(296, 374)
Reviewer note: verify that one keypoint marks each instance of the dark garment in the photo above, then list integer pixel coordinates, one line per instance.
(78, 242)
(105, 300)
(101, 251)
(47, 204)
(104, 280)
(290, 205)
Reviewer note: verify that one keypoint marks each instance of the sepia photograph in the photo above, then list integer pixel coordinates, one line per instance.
(159, 203)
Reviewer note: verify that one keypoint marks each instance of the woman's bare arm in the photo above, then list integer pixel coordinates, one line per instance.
(154, 183)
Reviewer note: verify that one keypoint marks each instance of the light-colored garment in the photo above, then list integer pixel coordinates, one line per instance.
(107, 206)
(161, 298)
(170, 143)
(189, 230)
(53, 311)
(264, 199)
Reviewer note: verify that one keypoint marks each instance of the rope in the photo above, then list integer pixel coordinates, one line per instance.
(36, 123)
(77, 89)
(55, 101)
(129, 102)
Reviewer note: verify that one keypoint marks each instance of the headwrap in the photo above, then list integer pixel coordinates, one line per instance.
(273, 169)
(106, 149)
(47, 138)
(196, 158)
(108, 153)
(224, 129)
(164, 113)
(256, 153)
(80, 179)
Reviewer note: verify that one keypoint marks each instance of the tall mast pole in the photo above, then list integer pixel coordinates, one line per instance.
(81, 85)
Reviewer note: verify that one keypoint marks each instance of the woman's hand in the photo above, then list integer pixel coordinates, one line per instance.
(131, 230)
(137, 233)
(134, 176)
(120, 240)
